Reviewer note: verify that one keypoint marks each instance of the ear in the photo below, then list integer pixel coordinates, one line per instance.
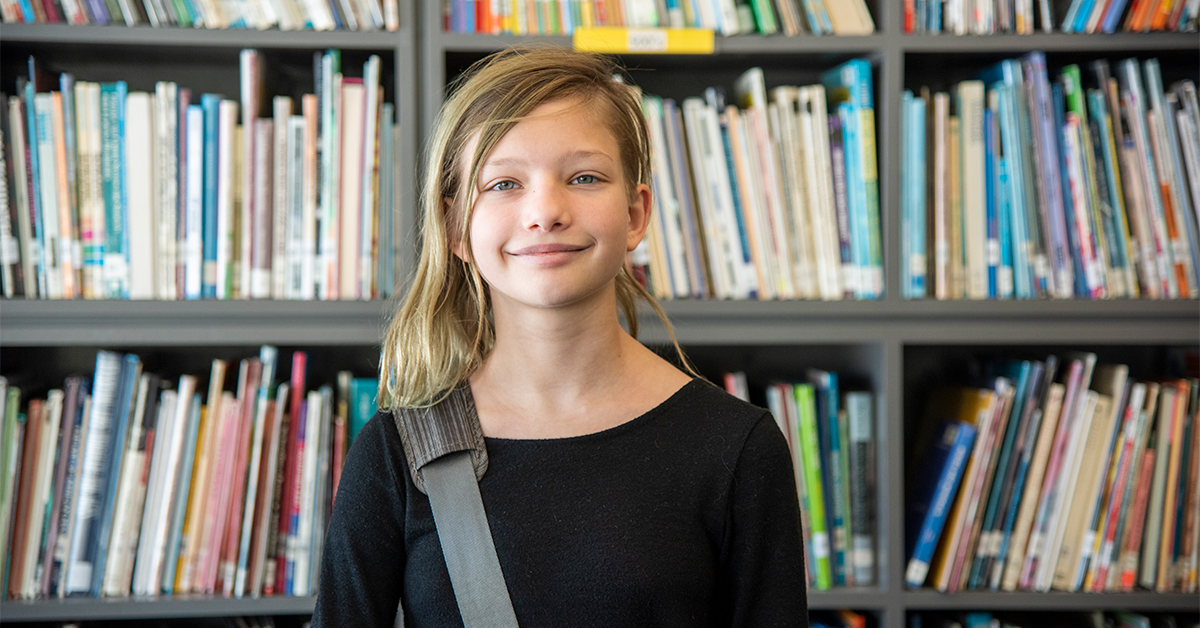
(639, 216)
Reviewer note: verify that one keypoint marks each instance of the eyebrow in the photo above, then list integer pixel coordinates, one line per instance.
(573, 155)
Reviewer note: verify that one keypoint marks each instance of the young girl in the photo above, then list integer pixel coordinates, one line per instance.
(620, 490)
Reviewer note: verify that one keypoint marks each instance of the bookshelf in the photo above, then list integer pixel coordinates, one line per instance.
(888, 343)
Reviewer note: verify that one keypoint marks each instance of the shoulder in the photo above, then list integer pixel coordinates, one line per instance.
(705, 412)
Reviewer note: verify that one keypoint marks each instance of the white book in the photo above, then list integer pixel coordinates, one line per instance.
(92, 205)
(164, 471)
(250, 67)
(139, 186)
(822, 203)
(1068, 479)
(745, 280)
(352, 127)
(262, 211)
(666, 202)
(772, 196)
(227, 112)
(281, 197)
(299, 539)
(308, 251)
(51, 234)
(293, 277)
(970, 104)
(193, 238)
(786, 134)
(127, 514)
(754, 204)
(719, 261)
(167, 164)
(370, 153)
(324, 505)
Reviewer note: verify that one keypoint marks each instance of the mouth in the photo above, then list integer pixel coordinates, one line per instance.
(547, 249)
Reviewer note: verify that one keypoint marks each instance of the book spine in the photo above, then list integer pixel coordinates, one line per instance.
(956, 441)
(863, 483)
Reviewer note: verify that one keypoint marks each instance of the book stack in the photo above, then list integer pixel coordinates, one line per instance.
(977, 17)
(1017, 186)
(363, 15)
(1058, 474)
(119, 484)
(777, 199)
(727, 17)
(118, 194)
(831, 433)
(977, 619)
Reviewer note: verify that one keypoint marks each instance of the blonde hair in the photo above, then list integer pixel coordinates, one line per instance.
(443, 330)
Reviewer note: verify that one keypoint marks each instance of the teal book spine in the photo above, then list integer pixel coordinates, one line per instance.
(112, 176)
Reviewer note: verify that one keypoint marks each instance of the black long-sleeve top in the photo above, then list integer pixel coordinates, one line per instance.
(684, 516)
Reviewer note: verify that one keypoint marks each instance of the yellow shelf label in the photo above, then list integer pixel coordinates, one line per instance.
(678, 41)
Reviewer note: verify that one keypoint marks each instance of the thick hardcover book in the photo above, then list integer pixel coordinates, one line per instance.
(933, 490)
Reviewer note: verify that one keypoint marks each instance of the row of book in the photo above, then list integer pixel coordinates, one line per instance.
(363, 15)
(1018, 186)
(120, 484)
(830, 430)
(1058, 474)
(727, 17)
(1092, 619)
(777, 199)
(986, 17)
(118, 194)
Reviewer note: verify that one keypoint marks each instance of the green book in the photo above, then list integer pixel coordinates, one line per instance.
(811, 455)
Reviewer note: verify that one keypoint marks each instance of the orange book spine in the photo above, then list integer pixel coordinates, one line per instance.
(1158, 21)
(25, 486)
(68, 229)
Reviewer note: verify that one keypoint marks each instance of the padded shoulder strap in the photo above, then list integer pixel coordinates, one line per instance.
(446, 427)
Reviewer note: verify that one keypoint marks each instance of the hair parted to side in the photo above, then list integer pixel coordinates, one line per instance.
(443, 329)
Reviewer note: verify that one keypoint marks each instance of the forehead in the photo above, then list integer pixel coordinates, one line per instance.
(564, 125)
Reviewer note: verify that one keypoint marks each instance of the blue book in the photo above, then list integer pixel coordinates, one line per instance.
(825, 384)
(1014, 150)
(210, 104)
(990, 211)
(35, 196)
(747, 259)
(104, 426)
(179, 497)
(27, 12)
(363, 404)
(915, 155)
(1166, 108)
(131, 369)
(1046, 140)
(1074, 246)
(855, 203)
(1041, 377)
(977, 620)
(1020, 373)
(907, 213)
(112, 176)
(852, 82)
(1004, 221)
(66, 85)
(936, 483)
(1113, 14)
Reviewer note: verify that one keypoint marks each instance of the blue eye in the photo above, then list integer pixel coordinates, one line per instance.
(503, 186)
(586, 179)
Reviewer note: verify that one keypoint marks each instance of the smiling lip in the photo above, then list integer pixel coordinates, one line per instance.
(545, 249)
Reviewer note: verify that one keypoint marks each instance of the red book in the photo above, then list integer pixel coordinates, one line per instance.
(20, 537)
(1130, 553)
(299, 360)
(251, 372)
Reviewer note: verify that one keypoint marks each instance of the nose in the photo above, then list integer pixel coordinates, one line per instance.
(547, 206)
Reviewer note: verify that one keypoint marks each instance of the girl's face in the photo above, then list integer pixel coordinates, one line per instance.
(553, 217)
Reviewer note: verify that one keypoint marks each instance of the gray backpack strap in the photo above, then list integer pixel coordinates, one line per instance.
(447, 457)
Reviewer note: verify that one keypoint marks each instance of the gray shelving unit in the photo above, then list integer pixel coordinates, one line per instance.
(881, 342)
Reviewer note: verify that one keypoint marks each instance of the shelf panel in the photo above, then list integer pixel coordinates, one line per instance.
(151, 608)
(1051, 601)
(181, 323)
(208, 38)
(325, 323)
(738, 44)
(1114, 42)
(918, 322)
(859, 599)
